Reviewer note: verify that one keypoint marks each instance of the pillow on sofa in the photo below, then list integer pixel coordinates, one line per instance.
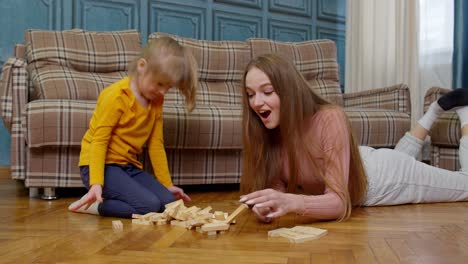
(85, 51)
(221, 67)
(217, 60)
(315, 59)
(77, 64)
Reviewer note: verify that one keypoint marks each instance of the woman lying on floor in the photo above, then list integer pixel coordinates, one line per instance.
(300, 155)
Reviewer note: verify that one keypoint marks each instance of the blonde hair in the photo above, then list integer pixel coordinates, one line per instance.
(262, 147)
(166, 56)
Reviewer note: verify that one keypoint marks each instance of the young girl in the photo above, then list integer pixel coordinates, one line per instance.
(128, 114)
(300, 156)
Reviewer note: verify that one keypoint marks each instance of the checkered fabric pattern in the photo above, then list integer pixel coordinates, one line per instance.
(78, 65)
(445, 133)
(221, 65)
(14, 97)
(48, 93)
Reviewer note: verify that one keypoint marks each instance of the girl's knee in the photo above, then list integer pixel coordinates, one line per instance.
(150, 205)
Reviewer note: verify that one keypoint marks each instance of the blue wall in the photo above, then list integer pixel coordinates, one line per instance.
(287, 20)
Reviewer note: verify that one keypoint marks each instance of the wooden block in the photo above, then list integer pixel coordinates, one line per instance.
(218, 215)
(211, 233)
(214, 227)
(276, 232)
(148, 216)
(161, 221)
(300, 238)
(117, 225)
(196, 222)
(298, 234)
(175, 204)
(234, 214)
(192, 210)
(205, 216)
(141, 222)
(205, 210)
(136, 216)
(179, 223)
(310, 230)
(156, 217)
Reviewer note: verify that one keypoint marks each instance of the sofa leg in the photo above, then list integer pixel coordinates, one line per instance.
(33, 192)
(49, 194)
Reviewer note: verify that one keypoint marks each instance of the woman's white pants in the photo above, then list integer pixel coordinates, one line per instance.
(396, 177)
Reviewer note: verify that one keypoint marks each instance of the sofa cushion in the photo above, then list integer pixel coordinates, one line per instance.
(64, 122)
(77, 64)
(217, 60)
(222, 94)
(221, 65)
(60, 82)
(85, 51)
(56, 122)
(207, 127)
(315, 59)
(378, 127)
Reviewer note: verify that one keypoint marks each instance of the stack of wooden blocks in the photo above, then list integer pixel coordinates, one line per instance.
(177, 214)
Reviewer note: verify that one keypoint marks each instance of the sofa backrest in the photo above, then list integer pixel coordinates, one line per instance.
(220, 67)
(78, 64)
(315, 59)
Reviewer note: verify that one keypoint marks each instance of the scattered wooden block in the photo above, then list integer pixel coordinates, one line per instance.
(161, 221)
(205, 210)
(318, 232)
(298, 234)
(141, 222)
(214, 227)
(211, 233)
(218, 215)
(177, 214)
(174, 204)
(156, 217)
(234, 214)
(178, 223)
(148, 216)
(117, 225)
(276, 232)
(136, 216)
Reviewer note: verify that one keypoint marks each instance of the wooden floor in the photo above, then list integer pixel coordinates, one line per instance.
(37, 231)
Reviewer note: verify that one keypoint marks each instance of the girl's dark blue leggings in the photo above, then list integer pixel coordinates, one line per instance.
(128, 190)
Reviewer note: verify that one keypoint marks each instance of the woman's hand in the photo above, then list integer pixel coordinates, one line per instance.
(270, 203)
(261, 214)
(94, 194)
(179, 193)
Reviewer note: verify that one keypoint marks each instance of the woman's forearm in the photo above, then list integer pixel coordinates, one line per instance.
(328, 206)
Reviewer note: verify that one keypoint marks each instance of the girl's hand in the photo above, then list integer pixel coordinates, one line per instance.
(278, 203)
(94, 194)
(179, 193)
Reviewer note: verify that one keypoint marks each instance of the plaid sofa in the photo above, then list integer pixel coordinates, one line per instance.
(445, 134)
(49, 90)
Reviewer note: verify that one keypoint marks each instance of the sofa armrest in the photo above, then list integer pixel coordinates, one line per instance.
(396, 97)
(433, 94)
(13, 91)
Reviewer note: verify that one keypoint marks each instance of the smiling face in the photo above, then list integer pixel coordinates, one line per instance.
(262, 97)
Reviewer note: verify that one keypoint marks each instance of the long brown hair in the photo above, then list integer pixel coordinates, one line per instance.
(165, 55)
(262, 147)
